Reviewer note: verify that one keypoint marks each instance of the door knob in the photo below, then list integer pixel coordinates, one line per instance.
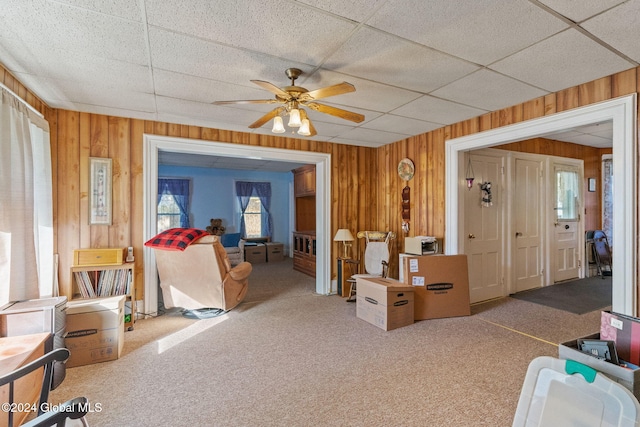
(472, 236)
(518, 234)
(566, 227)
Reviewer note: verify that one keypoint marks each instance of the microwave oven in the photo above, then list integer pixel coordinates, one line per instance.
(421, 245)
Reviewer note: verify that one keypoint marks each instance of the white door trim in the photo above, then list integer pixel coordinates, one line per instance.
(152, 144)
(622, 111)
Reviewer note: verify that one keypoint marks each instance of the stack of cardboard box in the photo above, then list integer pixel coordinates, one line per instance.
(434, 286)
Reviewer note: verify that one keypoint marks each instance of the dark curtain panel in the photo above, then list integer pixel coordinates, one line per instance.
(244, 190)
(179, 189)
(263, 190)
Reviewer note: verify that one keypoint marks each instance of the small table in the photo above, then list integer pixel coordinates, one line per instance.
(344, 273)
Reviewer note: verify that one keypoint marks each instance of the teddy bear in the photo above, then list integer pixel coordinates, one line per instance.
(216, 227)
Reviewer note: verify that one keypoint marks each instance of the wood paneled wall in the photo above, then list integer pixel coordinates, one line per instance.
(84, 135)
(427, 152)
(365, 186)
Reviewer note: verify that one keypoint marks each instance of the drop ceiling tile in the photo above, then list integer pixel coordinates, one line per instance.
(277, 27)
(564, 60)
(372, 136)
(357, 142)
(608, 25)
(579, 11)
(356, 10)
(105, 111)
(178, 85)
(592, 140)
(602, 129)
(437, 110)
(480, 32)
(51, 25)
(385, 58)
(121, 8)
(487, 90)
(205, 111)
(106, 96)
(402, 125)
(201, 58)
(61, 64)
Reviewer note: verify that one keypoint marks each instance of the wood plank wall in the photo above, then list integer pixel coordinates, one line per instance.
(427, 152)
(84, 135)
(365, 187)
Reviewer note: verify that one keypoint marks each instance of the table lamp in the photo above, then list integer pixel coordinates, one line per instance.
(343, 235)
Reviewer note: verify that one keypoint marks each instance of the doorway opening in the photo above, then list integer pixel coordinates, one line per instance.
(622, 112)
(153, 144)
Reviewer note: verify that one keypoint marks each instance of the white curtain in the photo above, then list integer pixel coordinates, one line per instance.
(26, 208)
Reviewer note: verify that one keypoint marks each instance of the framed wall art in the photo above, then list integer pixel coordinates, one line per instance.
(100, 191)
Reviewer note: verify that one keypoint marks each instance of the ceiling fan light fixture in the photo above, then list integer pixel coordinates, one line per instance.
(304, 128)
(294, 118)
(278, 125)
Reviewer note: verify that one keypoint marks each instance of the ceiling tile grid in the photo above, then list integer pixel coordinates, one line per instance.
(415, 65)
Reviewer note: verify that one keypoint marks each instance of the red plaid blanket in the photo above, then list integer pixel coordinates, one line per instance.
(175, 239)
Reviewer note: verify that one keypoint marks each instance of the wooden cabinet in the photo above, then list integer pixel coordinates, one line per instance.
(94, 281)
(304, 242)
(304, 252)
(304, 181)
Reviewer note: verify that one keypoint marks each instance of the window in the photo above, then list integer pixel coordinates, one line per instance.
(567, 195)
(173, 203)
(254, 199)
(168, 213)
(253, 218)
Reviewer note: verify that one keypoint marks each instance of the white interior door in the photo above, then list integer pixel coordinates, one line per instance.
(528, 224)
(565, 245)
(483, 229)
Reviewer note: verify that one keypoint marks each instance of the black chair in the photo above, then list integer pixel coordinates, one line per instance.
(72, 409)
(602, 253)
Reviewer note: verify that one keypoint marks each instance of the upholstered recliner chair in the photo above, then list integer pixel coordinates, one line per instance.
(201, 276)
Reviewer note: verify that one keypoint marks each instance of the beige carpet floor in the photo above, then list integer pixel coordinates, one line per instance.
(289, 357)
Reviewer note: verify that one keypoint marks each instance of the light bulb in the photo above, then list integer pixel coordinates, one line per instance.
(278, 126)
(304, 128)
(294, 118)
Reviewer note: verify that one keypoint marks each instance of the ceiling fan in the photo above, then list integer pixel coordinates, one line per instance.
(293, 98)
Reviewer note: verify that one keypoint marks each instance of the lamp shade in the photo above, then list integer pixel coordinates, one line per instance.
(278, 126)
(294, 118)
(304, 129)
(343, 235)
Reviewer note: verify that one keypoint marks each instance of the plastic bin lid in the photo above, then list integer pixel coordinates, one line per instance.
(567, 393)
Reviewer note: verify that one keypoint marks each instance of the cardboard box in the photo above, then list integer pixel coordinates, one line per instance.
(255, 253)
(105, 256)
(275, 252)
(625, 331)
(440, 285)
(95, 330)
(629, 378)
(385, 303)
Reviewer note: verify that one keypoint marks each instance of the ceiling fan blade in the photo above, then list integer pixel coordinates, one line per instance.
(338, 112)
(264, 119)
(272, 88)
(248, 101)
(325, 92)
